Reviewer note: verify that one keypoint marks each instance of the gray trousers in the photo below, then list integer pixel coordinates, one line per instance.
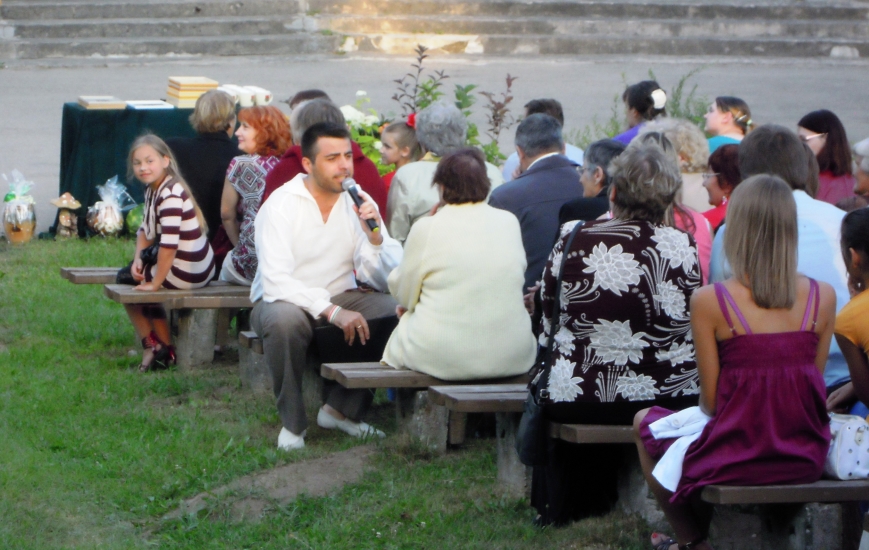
(286, 331)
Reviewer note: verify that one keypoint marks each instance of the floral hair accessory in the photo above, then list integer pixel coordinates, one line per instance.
(659, 97)
(411, 120)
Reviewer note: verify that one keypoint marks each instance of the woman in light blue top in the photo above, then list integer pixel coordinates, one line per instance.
(728, 119)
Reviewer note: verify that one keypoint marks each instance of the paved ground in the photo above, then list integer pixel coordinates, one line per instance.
(778, 90)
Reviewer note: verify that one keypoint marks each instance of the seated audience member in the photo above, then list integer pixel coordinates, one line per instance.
(762, 338)
(398, 146)
(312, 245)
(861, 165)
(852, 332)
(644, 101)
(823, 132)
(777, 151)
(551, 107)
(721, 179)
(548, 180)
(678, 215)
(623, 333)
(305, 115)
(203, 160)
(264, 134)
(595, 181)
(728, 119)
(441, 128)
(693, 152)
(467, 254)
(307, 95)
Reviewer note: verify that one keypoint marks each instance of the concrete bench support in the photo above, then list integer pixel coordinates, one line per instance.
(421, 419)
(194, 336)
(514, 477)
(255, 374)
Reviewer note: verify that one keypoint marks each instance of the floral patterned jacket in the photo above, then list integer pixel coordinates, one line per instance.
(624, 330)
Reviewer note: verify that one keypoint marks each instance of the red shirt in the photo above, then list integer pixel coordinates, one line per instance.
(364, 172)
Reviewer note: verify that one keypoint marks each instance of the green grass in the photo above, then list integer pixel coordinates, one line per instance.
(93, 453)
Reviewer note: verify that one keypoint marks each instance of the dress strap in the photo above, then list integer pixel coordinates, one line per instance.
(724, 298)
(814, 300)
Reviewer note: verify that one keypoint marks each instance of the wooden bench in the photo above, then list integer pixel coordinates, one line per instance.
(89, 275)
(196, 311)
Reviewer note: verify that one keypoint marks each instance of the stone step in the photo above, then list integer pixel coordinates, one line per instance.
(142, 28)
(284, 44)
(511, 45)
(652, 28)
(153, 9)
(601, 9)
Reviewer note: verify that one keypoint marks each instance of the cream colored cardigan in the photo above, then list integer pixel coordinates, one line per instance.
(461, 281)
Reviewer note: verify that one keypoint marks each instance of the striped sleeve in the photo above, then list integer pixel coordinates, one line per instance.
(170, 210)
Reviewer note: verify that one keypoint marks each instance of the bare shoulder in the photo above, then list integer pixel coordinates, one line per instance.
(827, 304)
(704, 297)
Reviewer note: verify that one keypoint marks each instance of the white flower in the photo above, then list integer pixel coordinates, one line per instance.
(613, 269)
(371, 119)
(671, 299)
(678, 353)
(675, 246)
(567, 228)
(563, 386)
(614, 341)
(361, 93)
(636, 387)
(564, 341)
(352, 115)
(543, 339)
(377, 145)
(556, 262)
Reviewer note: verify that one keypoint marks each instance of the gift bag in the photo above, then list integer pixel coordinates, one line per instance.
(106, 216)
(19, 209)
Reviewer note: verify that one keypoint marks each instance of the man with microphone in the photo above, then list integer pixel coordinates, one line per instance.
(313, 243)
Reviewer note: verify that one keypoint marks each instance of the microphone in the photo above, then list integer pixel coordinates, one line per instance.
(350, 186)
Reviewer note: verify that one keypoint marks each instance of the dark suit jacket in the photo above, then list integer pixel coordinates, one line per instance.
(535, 198)
(364, 172)
(203, 161)
(585, 209)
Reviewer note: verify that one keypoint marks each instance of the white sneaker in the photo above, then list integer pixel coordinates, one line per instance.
(288, 441)
(356, 429)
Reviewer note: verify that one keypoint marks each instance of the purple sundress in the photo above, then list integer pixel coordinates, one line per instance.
(771, 425)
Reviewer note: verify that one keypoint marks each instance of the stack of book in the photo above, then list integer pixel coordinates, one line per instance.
(185, 90)
(91, 102)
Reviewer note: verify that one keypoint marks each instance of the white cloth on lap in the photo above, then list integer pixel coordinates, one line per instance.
(686, 425)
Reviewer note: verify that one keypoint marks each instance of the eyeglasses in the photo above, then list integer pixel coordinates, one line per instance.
(709, 175)
(806, 139)
(588, 168)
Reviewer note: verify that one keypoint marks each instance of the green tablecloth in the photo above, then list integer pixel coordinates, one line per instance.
(94, 145)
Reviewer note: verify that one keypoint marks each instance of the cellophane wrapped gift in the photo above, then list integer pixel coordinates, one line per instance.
(106, 216)
(19, 209)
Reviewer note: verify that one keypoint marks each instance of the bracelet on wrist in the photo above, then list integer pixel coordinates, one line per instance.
(334, 312)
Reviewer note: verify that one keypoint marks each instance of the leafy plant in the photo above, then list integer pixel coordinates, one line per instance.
(690, 105)
(414, 92)
(464, 102)
(499, 119)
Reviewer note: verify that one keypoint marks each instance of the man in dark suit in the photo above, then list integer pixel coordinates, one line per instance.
(595, 184)
(548, 180)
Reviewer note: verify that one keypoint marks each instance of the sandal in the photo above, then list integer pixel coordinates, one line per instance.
(164, 356)
(149, 343)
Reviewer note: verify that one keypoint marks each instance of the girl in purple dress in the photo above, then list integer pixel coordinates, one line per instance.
(762, 339)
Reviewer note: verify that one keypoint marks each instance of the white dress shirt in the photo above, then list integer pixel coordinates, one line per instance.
(572, 152)
(819, 257)
(305, 261)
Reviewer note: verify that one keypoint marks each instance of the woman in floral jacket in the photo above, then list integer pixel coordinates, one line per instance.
(623, 340)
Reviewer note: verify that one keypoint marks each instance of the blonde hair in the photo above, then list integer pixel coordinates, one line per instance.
(688, 140)
(214, 112)
(172, 170)
(761, 240)
(405, 136)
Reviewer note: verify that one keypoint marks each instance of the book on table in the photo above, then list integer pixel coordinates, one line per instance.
(149, 104)
(101, 102)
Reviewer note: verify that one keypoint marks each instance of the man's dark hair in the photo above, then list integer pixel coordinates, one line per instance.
(549, 107)
(312, 112)
(462, 174)
(307, 95)
(539, 134)
(774, 150)
(601, 153)
(321, 130)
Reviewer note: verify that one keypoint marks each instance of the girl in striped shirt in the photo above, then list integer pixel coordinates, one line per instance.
(175, 225)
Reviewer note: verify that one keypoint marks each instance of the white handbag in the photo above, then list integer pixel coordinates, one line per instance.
(848, 457)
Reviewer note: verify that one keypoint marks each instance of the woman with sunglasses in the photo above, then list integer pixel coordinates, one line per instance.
(823, 132)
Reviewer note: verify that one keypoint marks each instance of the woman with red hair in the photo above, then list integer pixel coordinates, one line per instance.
(264, 134)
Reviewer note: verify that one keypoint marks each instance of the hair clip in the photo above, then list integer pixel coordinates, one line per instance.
(411, 120)
(659, 97)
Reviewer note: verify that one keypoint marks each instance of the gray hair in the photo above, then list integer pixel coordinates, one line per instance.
(308, 113)
(538, 134)
(861, 151)
(441, 128)
(687, 138)
(646, 180)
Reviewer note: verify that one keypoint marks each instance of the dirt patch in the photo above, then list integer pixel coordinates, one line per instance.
(248, 497)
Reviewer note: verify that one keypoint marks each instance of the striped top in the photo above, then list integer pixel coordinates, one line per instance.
(170, 218)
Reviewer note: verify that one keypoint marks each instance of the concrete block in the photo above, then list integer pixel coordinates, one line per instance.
(514, 478)
(421, 419)
(194, 340)
(811, 526)
(634, 494)
(253, 371)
